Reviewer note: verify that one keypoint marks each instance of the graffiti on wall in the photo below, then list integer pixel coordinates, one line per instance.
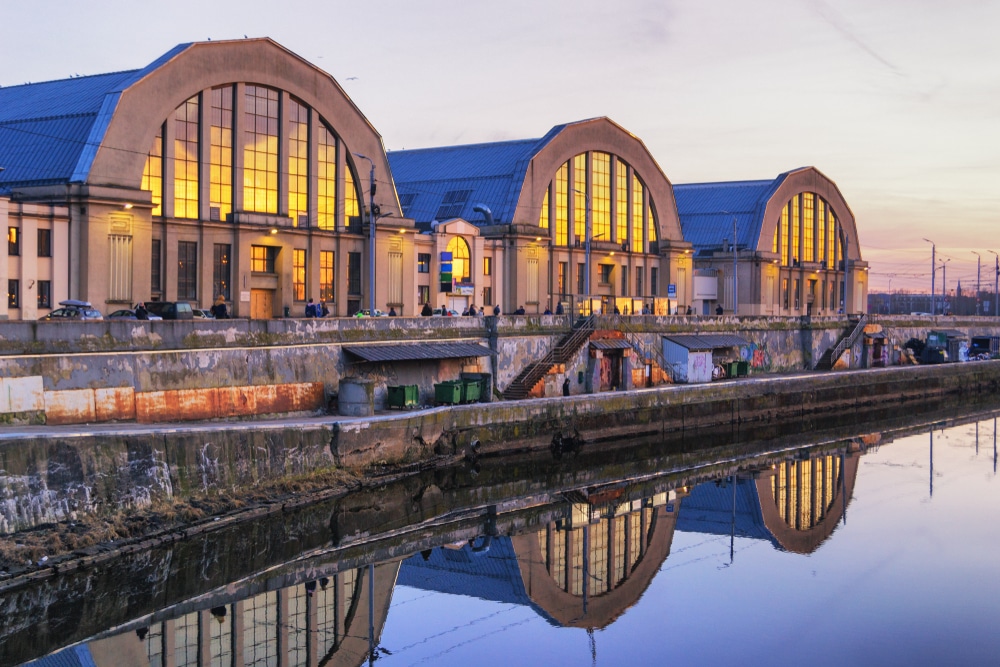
(757, 356)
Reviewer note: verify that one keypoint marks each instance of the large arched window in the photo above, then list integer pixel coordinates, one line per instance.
(808, 231)
(604, 185)
(460, 263)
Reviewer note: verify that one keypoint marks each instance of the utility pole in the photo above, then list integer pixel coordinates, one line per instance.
(372, 217)
(996, 285)
(979, 260)
(933, 270)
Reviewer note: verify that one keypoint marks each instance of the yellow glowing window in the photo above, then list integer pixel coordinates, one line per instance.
(580, 197)
(326, 275)
(562, 205)
(299, 273)
(831, 235)
(796, 230)
(298, 163)
(220, 161)
(808, 230)
(600, 198)
(621, 208)
(820, 231)
(784, 235)
(651, 232)
(637, 208)
(263, 258)
(260, 150)
(351, 211)
(186, 159)
(459, 250)
(326, 181)
(152, 172)
(543, 218)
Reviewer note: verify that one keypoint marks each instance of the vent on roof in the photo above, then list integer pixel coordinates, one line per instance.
(406, 201)
(453, 204)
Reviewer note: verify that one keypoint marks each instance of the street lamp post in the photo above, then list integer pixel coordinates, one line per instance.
(736, 277)
(933, 270)
(979, 260)
(944, 284)
(586, 250)
(372, 217)
(996, 285)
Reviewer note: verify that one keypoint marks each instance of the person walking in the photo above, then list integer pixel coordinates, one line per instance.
(218, 309)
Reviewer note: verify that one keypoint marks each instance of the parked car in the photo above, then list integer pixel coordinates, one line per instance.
(171, 310)
(202, 314)
(368, 313)
(73, 309)
(129, 314)
(448, 312)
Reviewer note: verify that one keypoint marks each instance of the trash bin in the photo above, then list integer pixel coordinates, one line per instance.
(732, 369)
(743, 368)
(485, 381)
(448, 392)
(402, 396)
(470, 391)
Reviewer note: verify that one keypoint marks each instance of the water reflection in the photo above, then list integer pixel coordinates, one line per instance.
(576, 546)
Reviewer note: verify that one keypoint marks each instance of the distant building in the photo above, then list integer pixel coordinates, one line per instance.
(793, 239)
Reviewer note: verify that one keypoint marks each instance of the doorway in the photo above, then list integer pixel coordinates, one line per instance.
(261, 304)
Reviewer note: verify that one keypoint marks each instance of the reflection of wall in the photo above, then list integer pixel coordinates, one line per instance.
(321, 621)
(588, 571)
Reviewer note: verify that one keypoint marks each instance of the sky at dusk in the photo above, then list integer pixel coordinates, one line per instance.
(897, 101)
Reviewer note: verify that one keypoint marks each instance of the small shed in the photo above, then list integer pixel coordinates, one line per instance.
(692, 357)
(955, 342)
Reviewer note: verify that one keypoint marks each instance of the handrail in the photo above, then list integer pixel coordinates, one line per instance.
(645, 351)
(850, 340)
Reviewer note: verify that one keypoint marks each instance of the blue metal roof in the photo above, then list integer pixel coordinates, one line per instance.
(491, 172)
(50, 132)
(707, 210)
(490, 575)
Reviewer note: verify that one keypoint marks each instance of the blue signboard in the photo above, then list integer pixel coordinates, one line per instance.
(672, 291)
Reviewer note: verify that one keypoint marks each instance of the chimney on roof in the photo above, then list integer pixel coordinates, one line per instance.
(485, 210)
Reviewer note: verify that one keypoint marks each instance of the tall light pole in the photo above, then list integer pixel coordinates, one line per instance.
(979, 260)
(586, 250)
(372, 217)
(736, 278)
(933, 270)
(944, 284)
(996, 285)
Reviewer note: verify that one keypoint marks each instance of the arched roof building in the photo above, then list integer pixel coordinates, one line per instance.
(222, 168)
(537, 198)
(793, 240)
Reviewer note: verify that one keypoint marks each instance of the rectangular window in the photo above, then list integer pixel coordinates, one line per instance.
(621, 209)
(44, 293)
(543, 219)
(606, 271)
(326, 180)
(44, 242)
(624, 281)
(580, 198)
(639, 275)
(423, 294)
(637, 209)
(326, 275)
(262, 258)
(562, 205)
(808, 228)
(488, 296)
(120, 267)
(487, 266)
(354, 273)
(563, 276)
(220, 161)
(798, 297)
(600, 197)
(186, 159)
(260, 150)
(152, 172)
(221, 270)
(452, 204)
(423, 262)
(187, 271)
(784, 293)
(155, 262)
(532, 279)
(796, 231)
(784, 240)
(654, 280)
(580, 282)
(298, 164)
(299, 274)
(13, 293)
(395, 278)
(352, 211)
(13, 241)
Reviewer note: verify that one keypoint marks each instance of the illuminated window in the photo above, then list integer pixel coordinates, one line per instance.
(352, 213)
(423, 294)
(262, 258)
(562, 205)
(621, 208)
(13, 241)
(543, 219)
(563, 270)
(260, 150)
(600, 198)
(326, 275)
(784, 235)
(221, 270)
(326, 180)
(423, 262)
(220, 165)
(796, 229)
(831, 231)
(44, 293)
(13, 293)
(651, 231)
(152, 172)
(459, 250)
(298, 163)
(299, 274)
(808, 230)
(637, 209)
(186, 159)
(487, 266)
(580, 197)
(820, 231)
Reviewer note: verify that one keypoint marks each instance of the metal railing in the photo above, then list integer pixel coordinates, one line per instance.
(848, 342)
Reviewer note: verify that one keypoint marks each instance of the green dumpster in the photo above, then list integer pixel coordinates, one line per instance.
(448, 392)
(402, 396)
(743, 368)
(732, 369)
(470, 391)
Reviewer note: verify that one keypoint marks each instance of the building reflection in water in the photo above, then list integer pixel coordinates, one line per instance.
(591, 559)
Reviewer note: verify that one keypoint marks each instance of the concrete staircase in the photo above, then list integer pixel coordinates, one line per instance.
(851, 335)
(564, 350)
(648, 354)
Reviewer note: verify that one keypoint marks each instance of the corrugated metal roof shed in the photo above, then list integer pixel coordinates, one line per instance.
(417, 352)
(708, 341)
(610, 344)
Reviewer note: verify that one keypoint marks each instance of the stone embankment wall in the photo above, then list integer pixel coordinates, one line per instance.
(92, 372)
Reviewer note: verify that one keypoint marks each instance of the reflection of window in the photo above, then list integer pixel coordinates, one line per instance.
(423, 262)
(13, 293)
(44, 242)
(262, 258)
(459, 250)
(44, 293)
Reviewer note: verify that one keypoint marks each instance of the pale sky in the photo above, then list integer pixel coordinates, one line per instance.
(897, 101)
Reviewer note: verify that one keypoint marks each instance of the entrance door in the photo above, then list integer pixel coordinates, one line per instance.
(261, 304)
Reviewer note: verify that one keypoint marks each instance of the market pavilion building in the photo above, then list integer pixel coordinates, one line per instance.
(582, 217)
(786, 246)
(228, 168)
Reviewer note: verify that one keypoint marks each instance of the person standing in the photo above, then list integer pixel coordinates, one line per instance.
(566, 387)
(496, 310)
(426, 311)
(219, 308)
(310, 309)
(140, 312)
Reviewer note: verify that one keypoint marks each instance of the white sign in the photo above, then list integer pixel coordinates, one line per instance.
(245, 296)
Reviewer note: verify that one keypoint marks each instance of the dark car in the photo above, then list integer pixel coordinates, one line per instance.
(171, 310)
(129, 314)
(73, 309)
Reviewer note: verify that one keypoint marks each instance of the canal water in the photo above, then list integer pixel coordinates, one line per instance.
(823, 544)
